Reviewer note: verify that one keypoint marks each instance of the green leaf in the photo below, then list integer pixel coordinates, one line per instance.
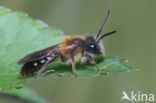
(24, 95)
(20, 35)
(108, 65)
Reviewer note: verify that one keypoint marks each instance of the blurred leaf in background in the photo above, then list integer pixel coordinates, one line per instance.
(21, 35)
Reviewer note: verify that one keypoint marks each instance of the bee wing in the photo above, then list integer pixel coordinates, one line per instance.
(39, 54)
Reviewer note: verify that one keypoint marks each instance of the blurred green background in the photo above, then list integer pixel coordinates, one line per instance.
(135, 41)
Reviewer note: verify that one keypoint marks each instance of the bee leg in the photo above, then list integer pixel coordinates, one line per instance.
(93, 62)
(41, 70)
(74, 69)
(73, 65)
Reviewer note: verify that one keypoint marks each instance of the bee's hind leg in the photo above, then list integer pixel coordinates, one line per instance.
(42, 69)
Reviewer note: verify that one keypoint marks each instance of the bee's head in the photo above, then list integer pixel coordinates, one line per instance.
(93, 47)
(94, 44)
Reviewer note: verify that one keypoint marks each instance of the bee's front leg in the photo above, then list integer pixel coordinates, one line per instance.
(92, 61)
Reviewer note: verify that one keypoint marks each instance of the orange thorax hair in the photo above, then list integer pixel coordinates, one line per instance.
(68, 45)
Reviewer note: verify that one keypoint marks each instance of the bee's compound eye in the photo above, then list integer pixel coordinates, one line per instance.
(92, 46)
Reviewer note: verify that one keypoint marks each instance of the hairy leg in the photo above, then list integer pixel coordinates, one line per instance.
(93, 62)
(41, 70)
(73, 65)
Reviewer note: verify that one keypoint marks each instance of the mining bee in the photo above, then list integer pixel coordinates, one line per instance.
(72, 50)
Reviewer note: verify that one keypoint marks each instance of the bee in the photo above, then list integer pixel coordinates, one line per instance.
(72, 50)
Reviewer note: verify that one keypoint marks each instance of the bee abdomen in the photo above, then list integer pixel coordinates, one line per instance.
(31, 67)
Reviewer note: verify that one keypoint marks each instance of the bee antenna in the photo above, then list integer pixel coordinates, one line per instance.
(108, 14)
(106, 35)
